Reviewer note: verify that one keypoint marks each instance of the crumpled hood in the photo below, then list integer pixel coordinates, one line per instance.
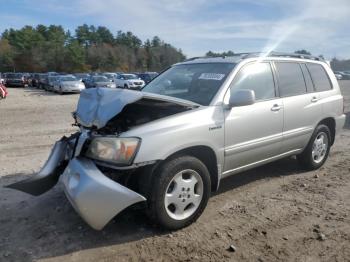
(96, 106)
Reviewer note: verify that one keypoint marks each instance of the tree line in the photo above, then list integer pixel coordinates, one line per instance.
(89, 48)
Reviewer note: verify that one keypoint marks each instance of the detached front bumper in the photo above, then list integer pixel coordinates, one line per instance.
(92, 194)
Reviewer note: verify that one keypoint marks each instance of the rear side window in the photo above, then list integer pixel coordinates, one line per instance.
(319, 77)
(257, 77)
(290, 79)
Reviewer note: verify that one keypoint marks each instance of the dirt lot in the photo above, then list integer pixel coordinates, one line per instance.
(273, 213)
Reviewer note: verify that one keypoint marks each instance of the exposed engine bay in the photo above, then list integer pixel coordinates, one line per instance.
(141, 112)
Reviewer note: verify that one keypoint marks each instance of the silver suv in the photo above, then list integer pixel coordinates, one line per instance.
(170, 145)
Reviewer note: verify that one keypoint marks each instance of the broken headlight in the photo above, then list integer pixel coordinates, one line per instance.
(113, 149)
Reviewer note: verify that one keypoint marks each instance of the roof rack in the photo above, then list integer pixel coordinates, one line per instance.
(264, 54)
(282, 54)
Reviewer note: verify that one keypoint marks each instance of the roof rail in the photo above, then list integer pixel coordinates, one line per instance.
(263, 54)
(223, 56)
(283, 54)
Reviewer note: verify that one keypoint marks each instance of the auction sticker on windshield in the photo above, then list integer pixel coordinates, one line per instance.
(211, 76)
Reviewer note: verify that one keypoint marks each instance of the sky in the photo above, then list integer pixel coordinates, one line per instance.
(197, 26)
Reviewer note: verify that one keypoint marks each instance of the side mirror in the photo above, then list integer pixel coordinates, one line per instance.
(243, 97)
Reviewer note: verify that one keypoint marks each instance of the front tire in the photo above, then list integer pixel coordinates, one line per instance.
(317, 151)
(180, 192)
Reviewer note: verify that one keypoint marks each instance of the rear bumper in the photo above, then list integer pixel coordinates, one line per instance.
(95, 197)
(339, 123)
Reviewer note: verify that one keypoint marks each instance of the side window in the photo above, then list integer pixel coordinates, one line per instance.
(257, 77)
(290, 79)
(309, 84)
(319, 77)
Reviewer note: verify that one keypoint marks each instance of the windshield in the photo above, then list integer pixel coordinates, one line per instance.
(194, 82)
(130, 76)
(68, 78)
(100, 79)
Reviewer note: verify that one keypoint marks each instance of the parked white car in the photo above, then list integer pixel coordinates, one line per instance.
(129, 81)
(68, 84)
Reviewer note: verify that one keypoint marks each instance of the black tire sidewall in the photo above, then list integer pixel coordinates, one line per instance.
(160, 183)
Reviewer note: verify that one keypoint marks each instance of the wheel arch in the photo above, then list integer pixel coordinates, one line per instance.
(206, 155)
(330, 123)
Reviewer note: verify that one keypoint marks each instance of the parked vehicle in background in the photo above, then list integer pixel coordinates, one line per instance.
(111, 76)
(43, 81)
(129, 81)
(27, 78)
(82, 76)
(51, 82)
(99, 81)
(68, 84)
(171, 144)
(338, 76)
(15, 80)
(147, 76)
(35, 80)
(53, 73)
(3, 91)
(345, 75)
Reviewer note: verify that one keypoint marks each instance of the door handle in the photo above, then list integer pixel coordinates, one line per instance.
(314, 99)
(276, 107)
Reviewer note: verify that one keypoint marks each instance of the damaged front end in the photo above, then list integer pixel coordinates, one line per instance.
(94, 182)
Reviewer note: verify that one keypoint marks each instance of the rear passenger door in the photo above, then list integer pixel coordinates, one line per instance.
(301, 104)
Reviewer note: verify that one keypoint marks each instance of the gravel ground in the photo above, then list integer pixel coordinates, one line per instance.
(272, 213)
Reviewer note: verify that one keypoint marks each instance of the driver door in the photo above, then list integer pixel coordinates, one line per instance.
(253, 133)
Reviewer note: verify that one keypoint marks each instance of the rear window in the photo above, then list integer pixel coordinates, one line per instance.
(319, 77)
(290, 79)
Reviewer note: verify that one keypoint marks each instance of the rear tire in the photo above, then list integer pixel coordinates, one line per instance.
(179, 192)
(126, 86)
(317, 150)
